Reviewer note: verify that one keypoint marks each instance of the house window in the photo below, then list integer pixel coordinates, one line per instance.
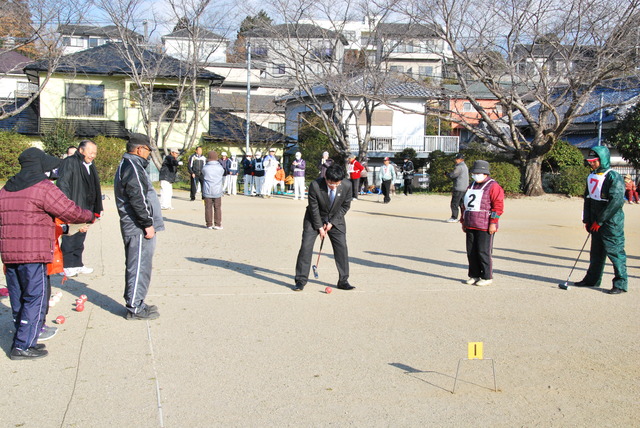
(468, 108)
(66, 41)
(396, 68)
(350, 36)
(277, 126)
(93, 42)
(426, 71)
(165, 105)
(260, 51)
(84, 100)
(280, 69)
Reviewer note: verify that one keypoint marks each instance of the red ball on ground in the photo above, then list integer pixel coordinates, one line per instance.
(79, 308)
(328, 290)
(84, 297)
(60, 319)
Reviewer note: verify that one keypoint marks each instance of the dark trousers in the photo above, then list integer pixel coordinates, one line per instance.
(408, 190)
(29, 295)
(340, 254)
(479, 249)
(456, 198)
(603, 246)
(355, 187)
(213, 211)
(365, 183)
(72, 248)
(194, 185)
(138, 252)
(386, 186)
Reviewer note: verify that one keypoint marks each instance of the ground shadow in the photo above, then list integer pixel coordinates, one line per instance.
(400, 216)
(267, 275)
(464, 267)
(77, 288)
(182, 222)
(72, 286)
(440, 378)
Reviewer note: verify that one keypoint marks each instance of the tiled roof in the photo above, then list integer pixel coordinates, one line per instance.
(387, 29)
(13, 62)
(108, 59)
(383, 86)
(109, 31)
(200, 33)
(224, 126)
(618, 93)
(299, 31)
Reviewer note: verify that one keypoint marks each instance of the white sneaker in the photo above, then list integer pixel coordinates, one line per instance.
(452, 220)
(218, 227)
(209, 227)
(69, 272)
(472, 281)
(483, 282)
(84, 269)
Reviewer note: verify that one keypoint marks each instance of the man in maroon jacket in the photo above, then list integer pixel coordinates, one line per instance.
(28, 204)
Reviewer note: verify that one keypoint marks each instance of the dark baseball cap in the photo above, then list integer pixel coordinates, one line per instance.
(459, 156)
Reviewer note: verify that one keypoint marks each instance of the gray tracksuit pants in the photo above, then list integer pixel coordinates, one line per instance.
(139, 257)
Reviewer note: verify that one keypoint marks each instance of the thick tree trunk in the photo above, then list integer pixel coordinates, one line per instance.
(533, 177)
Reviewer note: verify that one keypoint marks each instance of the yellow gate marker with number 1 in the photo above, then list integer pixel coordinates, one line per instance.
(475, 351)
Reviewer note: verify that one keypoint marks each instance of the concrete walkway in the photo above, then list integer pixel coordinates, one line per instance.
(235, 346)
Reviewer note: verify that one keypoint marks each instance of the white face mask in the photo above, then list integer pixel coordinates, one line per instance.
(478, 178)
(298, 156)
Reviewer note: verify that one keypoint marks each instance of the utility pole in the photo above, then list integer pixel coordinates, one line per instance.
(248, 96)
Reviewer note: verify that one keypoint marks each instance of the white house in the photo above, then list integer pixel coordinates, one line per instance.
(411, 49)
(398, 122)
(76, 38)
(188, 43)
(14, 83)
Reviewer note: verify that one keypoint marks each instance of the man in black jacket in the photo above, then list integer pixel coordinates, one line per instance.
(329, 200)
(168, 176)
(79, 181)
(140, 219)
(196, 162)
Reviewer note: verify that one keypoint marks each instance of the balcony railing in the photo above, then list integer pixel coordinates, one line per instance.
(87, 107)
(421, 144)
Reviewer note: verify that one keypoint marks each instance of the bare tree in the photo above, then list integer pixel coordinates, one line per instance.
(168, 92)
(340, 85)
(540, 59)
(29, 28)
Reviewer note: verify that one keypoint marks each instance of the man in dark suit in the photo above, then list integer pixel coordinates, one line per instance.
(79, 182)
(329, 200)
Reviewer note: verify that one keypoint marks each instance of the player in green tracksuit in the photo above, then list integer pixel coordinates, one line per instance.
(604, 219)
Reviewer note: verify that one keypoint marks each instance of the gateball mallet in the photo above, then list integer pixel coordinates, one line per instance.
(315, 267)
(565, 285)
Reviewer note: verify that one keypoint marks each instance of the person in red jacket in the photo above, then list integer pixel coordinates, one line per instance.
(482, 207)
(354, 168)
(28, 204)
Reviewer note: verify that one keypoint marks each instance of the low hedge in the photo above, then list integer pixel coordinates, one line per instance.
(11, 145)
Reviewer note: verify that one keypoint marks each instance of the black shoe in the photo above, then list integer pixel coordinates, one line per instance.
(298, 287)
(583, 283)
(144, 314)
(346, 286)
(28, 354)
(616, 290)
(40, 346)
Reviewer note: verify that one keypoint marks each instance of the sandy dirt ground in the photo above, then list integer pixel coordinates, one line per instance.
(235, 346)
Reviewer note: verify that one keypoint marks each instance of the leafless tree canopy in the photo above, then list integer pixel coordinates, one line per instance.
(551, 52)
